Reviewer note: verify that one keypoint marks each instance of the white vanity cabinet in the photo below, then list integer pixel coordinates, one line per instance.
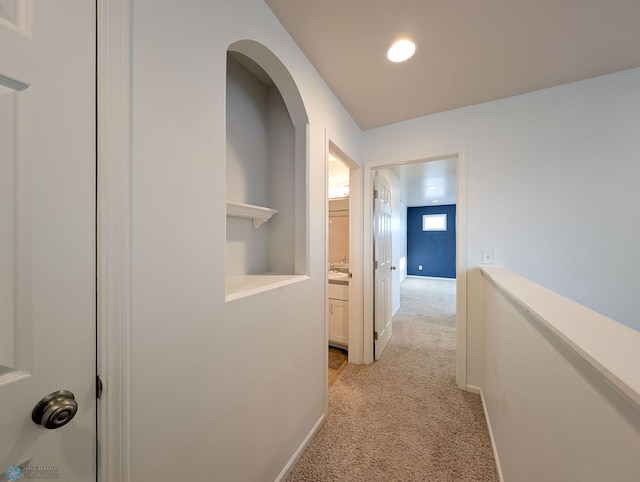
(339, 315)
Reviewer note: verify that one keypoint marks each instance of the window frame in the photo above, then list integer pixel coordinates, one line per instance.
(426, 228)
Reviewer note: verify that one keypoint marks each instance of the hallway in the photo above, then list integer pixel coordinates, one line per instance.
(403, 418)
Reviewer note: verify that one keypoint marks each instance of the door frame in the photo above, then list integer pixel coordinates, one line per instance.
(355, 352)
(461, 252)
(113, 227)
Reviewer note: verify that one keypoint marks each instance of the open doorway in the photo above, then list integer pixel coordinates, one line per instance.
(418, 183)
(339, 262)
(344, 255)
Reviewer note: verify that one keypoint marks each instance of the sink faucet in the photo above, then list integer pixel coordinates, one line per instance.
(343, 260)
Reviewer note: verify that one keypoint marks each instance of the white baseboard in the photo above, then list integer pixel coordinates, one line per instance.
(292, 461)
(473, 389)
(493, 442)
(430, 277)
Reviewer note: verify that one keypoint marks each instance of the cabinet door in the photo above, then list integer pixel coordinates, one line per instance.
(339, 321)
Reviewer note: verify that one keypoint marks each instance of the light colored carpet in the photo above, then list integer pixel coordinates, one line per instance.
(403, 418)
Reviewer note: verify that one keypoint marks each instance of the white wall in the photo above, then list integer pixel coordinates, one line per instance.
(552, 415)
(552, 189)
(250, 374)
(401, 241)
(247, 168)
(282, 182)
(261, 171)
(219, 391)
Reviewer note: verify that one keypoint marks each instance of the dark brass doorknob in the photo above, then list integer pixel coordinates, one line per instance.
(393, 267)
(55, 410)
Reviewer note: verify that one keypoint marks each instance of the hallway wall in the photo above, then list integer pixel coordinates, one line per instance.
(245, 408)
(552, 189)
(546, 377)
(534, 164)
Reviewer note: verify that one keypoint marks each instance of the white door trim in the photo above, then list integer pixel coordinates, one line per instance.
(461, 254)
(355, 241)
(114, 238)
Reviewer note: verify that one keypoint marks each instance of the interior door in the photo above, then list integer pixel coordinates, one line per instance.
(47, 240)
(382, 312)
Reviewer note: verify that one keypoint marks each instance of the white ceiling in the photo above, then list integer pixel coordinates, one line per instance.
(468, 51)
(425, 183)
(428, 183)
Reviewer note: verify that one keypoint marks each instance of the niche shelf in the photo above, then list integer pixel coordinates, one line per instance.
(258, 214)
(266, 168)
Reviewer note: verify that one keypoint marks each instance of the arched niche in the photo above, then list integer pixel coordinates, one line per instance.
(266, 166)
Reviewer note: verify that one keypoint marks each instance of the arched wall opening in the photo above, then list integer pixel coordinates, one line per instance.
(266, 173)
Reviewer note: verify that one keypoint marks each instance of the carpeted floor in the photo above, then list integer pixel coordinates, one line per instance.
(403, 418)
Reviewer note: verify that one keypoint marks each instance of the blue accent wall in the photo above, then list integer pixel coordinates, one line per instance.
(434, 250)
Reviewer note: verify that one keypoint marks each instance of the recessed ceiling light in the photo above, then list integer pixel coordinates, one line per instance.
(401, 50)
(431, 188)
(435, 201)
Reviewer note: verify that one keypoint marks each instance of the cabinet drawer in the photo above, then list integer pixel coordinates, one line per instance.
(339, 292)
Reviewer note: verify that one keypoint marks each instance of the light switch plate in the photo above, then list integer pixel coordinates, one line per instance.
(487, 256)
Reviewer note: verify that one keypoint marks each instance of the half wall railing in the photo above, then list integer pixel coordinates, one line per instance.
(561, 385)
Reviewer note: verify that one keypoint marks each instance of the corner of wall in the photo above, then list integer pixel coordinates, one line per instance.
(493, 442)
(294, 458)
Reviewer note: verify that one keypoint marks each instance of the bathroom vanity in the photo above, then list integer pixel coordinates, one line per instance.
(338, 290)
(338, 309)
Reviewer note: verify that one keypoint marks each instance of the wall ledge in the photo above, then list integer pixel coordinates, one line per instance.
(610, 348)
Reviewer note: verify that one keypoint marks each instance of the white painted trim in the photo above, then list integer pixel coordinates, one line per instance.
(114, 238)
(473, 389)
(437, 278)
(442, 216)
(327, 140)
(355, 241)
(461, 269)
(23, 22)
(608, 347)
(461, 254)
(493, 441)
(258, 214)
(294, 459)
(356, 286)
(241, 286)
(367, 264)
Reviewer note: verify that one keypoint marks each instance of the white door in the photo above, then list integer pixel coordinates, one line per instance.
(47, 239)
(382, 264)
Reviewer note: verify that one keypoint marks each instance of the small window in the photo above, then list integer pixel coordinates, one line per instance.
(434, 222)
